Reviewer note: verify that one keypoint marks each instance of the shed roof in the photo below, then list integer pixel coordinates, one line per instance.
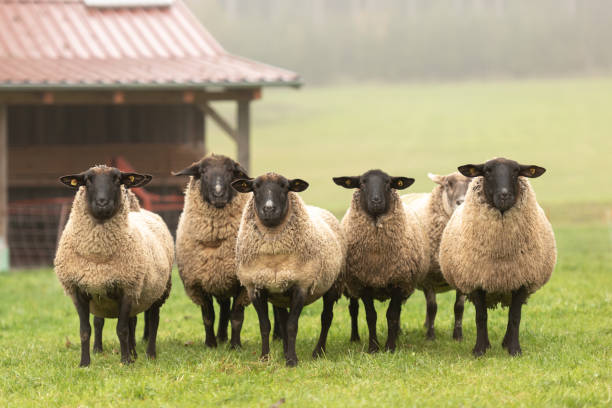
(68, 44)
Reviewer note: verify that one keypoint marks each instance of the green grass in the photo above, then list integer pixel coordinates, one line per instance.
(410, 129)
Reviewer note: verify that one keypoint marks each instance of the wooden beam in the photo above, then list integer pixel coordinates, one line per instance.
(122, 96)
(244, 134)
(223, 124)
(4, 156)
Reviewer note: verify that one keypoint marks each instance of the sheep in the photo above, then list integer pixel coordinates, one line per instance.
(387, 250)
(206, 244)
(434, 210)
(498, 247)
(111, 261)
(290, 254)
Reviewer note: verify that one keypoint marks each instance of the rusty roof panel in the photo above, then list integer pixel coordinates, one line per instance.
(65, 43)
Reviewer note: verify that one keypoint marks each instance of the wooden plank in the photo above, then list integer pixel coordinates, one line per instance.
(4, 156)
(219, 120)
(244, 135)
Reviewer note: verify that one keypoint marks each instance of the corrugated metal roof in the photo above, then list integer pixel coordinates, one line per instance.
(64, 43)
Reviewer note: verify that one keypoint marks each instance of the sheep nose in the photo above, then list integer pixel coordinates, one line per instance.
(376, 200)
(102, 202)
(459, 202)
(218, 191)
(269, 207)
(504, 194)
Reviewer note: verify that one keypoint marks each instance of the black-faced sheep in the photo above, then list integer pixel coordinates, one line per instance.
(111, 261)
(290, 254)
(434, 210)
(387, 251)
(206, 244)
(498, 247)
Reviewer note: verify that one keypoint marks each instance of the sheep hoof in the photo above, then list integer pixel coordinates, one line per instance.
(430, 335)
(152, 356)
(221, 338)
(126, 361)
(515, 350)
(390, 348)
(235, 345)
(84, 363)
(318, 352)
(373, 348)
(292, 362)
(458, 334)
(355, 339)
(97, 349)
(211, 343)
(479, 351)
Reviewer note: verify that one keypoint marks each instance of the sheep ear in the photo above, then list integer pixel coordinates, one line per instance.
(131, 180)
(243, 185)
(347, 182)
(436, 178)
(240, 172)
(400, 183)
(297, 185)
(471, 170)
(74, 181)
(531, 171)
(193, 170)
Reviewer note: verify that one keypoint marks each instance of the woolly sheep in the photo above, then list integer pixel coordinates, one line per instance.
(111, 261)
(434, 210)
(387, 250)
(498, 247)
(290, 254)
(206, 244)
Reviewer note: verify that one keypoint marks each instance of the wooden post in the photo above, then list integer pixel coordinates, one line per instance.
(4, 249)
(244, 130)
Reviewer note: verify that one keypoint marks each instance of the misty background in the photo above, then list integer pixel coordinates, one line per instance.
(405, 40)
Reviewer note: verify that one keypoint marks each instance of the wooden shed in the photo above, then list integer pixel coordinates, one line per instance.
(92, 81)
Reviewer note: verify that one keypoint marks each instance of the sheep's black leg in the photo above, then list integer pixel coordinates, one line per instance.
(237, 317)
(208, 317)
(327, 315)
(354, 312)
(459, 305)
(153, 326)
(277, 333)
(511, 339)
(81, 302)
(482, 334)
(260, 303)
(145, 331)
(123, 328)
(282, 314)
(298, 297)
(132, 338)
(368, 304)
(98, 326)
(224, 318)
(393, 319)
(432, 309)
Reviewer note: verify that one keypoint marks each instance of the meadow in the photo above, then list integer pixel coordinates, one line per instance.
(406, 129)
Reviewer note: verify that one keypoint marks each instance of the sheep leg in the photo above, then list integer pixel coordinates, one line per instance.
(132, 338)
(208, 317)
(237, 318)
(327, 315)
(432, 310)
(281, 314)
(354, 312)
(145, 332)
(153, 326)
(260, 303)
(368, 304)
(98, 326)
(298, 298)
(511, 339)
(393, 319)
(224, 317)
(459, 306)
(482, 335)
(123, 328)
(277, 333)
(81, 302)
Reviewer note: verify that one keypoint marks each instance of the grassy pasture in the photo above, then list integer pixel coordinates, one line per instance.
(314, 134)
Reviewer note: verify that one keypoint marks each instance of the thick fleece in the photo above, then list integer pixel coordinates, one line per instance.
(206, 246)
(431, 212)
(308, 250)
(389, 252)
(130, 253)
(481, 248)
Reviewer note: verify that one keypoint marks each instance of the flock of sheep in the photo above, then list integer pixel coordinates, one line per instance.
(248, 240)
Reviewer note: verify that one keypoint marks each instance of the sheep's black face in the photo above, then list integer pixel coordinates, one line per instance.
(375, 187)
(270, 196)
(501, 180)
(103, 188)
(216, 174)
